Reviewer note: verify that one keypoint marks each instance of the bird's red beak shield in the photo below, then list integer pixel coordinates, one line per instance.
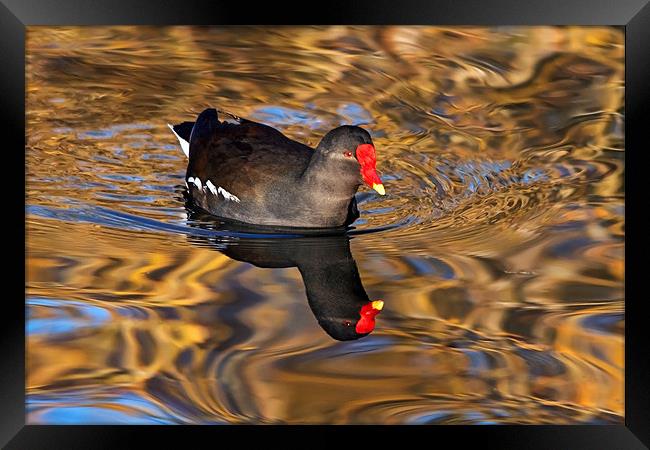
(368, 161)
(368, 312)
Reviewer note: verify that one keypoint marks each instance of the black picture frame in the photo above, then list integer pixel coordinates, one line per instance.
(632, 15)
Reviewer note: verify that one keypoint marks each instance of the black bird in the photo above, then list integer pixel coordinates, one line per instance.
(252, 173)
(332, 283)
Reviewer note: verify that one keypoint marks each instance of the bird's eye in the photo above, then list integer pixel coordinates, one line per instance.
(348, 154)
(347, 323)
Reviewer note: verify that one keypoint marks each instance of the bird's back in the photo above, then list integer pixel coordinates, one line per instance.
(245, 170)
(245, 153)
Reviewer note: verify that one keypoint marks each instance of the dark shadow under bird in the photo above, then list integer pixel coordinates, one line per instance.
(333, 286)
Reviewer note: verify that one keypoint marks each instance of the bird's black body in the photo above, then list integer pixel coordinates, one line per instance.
(332, 282)
(259, 176)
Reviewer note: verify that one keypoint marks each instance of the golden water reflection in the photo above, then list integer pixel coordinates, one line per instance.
(498, 250)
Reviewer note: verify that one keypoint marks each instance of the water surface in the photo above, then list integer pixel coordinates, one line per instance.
(498, 249)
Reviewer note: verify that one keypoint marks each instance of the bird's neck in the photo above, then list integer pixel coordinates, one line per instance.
(331, 280)
(329, 183)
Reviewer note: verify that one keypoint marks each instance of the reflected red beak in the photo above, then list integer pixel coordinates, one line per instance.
(368, 312)
(368, 161)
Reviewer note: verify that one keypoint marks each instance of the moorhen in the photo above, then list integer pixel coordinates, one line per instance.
(252, 173)
(332, 283)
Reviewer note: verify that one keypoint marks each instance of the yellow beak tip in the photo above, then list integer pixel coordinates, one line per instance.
(379, 188)
(378, 305)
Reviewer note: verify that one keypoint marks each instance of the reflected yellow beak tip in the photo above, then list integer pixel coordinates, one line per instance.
(378, 305)
(379, 188)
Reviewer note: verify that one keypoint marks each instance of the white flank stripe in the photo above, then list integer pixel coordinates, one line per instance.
(214, 189)
(227, 195)
(211, 186)
(185, 146)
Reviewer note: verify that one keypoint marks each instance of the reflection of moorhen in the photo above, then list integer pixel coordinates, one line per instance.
(332, 283)
(252, 173)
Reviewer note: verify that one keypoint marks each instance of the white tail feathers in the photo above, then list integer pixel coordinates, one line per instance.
(185, 146)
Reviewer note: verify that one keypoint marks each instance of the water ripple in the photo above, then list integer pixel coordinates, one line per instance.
(498, 249)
